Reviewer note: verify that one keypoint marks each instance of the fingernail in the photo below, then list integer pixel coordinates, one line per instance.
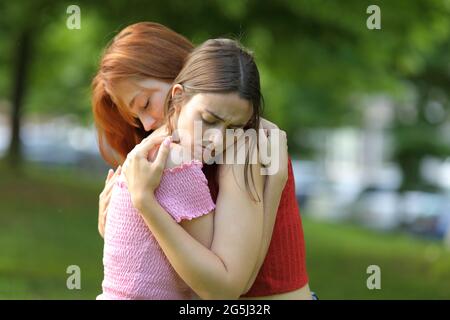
(167, 141)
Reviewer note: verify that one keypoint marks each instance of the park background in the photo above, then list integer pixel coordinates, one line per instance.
(366, 113)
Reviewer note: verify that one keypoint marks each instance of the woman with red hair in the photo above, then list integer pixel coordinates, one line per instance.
(135, 75)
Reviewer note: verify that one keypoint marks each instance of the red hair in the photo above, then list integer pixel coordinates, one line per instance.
(147, 50)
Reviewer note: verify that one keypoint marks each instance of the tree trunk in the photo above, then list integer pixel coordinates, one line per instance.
(19, 76)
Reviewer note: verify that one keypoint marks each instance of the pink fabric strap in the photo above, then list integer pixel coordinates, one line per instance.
(184, 192)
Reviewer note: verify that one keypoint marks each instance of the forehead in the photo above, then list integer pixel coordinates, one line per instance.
(228, 106)
(129, 87)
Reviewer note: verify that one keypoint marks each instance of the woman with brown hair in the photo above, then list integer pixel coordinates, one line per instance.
(136, 73)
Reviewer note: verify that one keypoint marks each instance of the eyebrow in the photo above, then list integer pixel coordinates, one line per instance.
(216, 116)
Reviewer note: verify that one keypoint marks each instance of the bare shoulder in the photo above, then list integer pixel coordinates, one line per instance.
(239, 179)
(245, 164)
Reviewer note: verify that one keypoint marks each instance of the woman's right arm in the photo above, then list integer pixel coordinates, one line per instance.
(273, 188)
(105, 197)
(223, 271)
(151, 141)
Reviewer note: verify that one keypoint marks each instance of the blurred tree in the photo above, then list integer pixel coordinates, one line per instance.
(421, 136)
(21, 23)
(315, 57)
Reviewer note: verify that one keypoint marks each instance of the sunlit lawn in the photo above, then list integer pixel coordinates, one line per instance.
(338, 257)
(48, 221)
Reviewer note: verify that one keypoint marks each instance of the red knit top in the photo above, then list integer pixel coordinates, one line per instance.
(284, 268)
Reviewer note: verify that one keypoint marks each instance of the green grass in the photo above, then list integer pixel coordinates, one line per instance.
(338, 256)
(48, 221)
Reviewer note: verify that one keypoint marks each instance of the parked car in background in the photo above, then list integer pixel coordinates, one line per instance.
(377, 208)
(318, 195)
(426, 213)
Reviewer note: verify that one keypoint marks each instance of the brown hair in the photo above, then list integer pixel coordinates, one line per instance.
(220, 66)
(147, 50)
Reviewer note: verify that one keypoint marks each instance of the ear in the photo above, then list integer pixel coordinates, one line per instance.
(177, 92)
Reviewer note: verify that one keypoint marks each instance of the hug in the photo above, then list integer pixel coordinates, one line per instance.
(190, 227)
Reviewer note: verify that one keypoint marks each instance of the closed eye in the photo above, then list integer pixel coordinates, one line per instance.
(146, 105)
(208, 122)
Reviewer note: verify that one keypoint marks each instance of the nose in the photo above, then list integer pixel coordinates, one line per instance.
(148, 122)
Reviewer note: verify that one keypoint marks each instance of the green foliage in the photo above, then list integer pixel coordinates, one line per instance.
(316, 57)
(74, 55)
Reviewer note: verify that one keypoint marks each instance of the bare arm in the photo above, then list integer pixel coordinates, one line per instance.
(223, 271)
(272, 196)
(151, 141)
(104, 198)
(273, 188)
(201, 228)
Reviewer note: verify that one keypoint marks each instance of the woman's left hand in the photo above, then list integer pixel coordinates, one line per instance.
(143, 176)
